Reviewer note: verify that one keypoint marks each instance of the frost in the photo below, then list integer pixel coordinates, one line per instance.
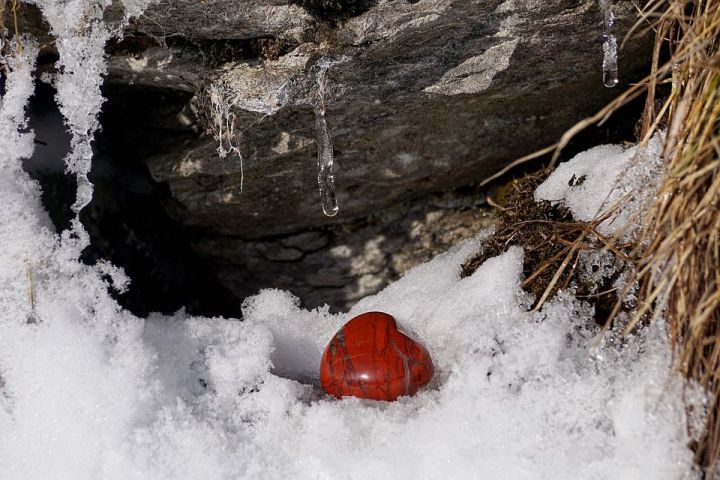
(17, 69)
(80, 40)
(134, 8)
(89, 391)
(81, 35)
(610, 46)
(224, 126)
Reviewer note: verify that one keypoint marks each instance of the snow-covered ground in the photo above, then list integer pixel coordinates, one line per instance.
(88, 391)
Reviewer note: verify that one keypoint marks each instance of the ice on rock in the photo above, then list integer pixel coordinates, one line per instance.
(135, 8)
(605, 176)
(610, 45)
(326, 157)
(224, 126)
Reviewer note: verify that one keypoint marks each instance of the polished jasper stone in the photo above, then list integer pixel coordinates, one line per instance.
(371, 358)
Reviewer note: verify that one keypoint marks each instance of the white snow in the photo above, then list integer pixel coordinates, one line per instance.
(598, 179)
(81, 35)
(90, 391)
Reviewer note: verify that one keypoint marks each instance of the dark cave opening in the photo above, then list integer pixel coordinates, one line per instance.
(126, 221)
(335, 11)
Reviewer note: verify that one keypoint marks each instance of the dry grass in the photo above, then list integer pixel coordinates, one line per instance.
(679, 262)
(3, 12)
(5, 46)
(677, 257)
(553, 245)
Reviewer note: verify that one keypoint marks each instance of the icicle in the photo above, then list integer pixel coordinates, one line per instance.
(326, 180)
(610, 47)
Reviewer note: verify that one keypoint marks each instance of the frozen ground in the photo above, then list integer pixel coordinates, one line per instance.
(88, 391)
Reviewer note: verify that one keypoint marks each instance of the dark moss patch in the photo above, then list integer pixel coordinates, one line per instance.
(524, 222)
(552, 241)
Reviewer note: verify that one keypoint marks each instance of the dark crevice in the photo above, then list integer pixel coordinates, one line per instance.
(335, 11)
(126, 221)
(213, 52)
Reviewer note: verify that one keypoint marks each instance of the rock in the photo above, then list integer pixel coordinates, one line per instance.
(225, 19)
(423, 96)
(370, 357)
(339, 265)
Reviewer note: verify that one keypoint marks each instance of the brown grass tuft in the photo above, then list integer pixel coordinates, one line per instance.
(13, 11)
(677, 257)
(679, 262)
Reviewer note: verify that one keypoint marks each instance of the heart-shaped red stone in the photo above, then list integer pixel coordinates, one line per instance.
(371, 358)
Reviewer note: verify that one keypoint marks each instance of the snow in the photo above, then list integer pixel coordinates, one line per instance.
(81, 35)
(598, 179)
(87, 390)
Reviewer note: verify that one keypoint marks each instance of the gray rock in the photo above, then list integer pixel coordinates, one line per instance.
(225, 19)
(424, 96)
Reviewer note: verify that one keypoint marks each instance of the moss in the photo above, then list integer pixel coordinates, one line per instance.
(548, 235)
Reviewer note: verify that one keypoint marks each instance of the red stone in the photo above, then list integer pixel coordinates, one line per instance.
(371, 358)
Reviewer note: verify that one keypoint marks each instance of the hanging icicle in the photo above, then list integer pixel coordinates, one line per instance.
(610, 46)
(326, 180)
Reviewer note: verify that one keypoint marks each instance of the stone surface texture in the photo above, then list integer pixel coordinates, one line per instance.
(422, 97)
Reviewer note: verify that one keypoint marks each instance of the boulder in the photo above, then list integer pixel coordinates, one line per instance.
(422, 97)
